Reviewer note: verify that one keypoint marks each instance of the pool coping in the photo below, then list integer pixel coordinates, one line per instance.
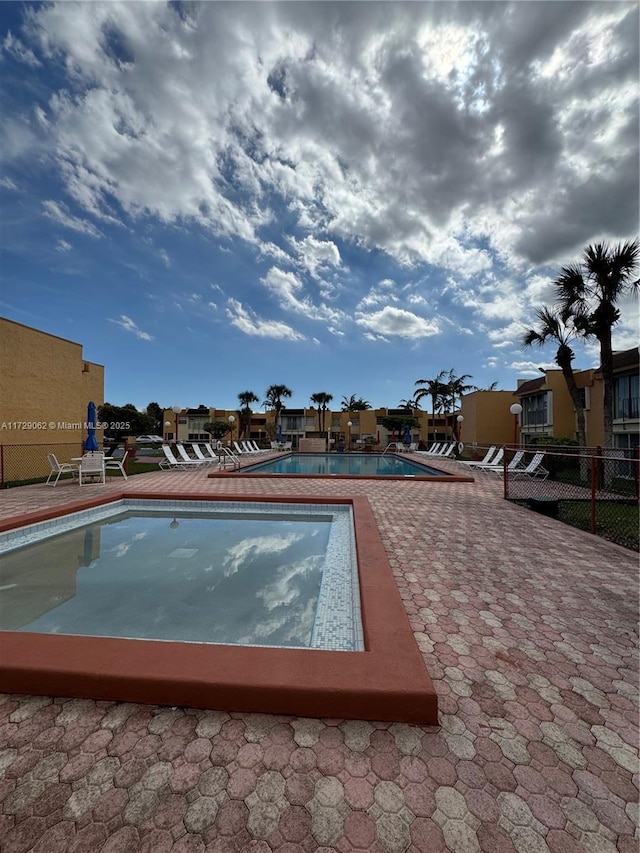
(442, 477)
(388, 681)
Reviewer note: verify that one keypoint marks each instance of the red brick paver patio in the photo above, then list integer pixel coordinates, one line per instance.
(529, 631)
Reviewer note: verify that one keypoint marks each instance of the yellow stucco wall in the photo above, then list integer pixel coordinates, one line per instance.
(45, 386)
(487, 419)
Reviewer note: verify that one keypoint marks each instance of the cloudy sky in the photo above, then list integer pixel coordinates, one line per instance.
(340, 197)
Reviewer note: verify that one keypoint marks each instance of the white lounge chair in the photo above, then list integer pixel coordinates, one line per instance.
(210, 460)
(59, 468)
(514, 465)
(185, 456)
(170, 460)
(446, 449)
(487, 457)
(434, 450)
(534, 469)
(111, 464)
(92, 468)
(496, 461)
(256, 448)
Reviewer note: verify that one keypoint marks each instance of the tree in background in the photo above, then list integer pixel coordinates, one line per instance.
(354, 404)
(273, 400)
(588, 292)
(398, 423)
(217, 429)
(155, 411)
(246, 398)
(551, 327)
(127, 420)
(434, 388)
(322, 400)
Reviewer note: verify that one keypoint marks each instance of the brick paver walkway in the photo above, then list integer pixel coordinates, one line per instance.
(528, 628)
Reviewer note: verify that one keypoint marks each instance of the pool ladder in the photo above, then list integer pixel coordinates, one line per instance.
(224, 454)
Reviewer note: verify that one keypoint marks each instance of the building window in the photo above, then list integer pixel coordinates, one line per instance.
(626, 393)
(535, 411)
(585, 398)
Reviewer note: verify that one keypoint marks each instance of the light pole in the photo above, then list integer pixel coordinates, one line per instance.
(460, 420)
(176, 411)
(516, 410)
(349, 424)
(232, 420)
(167, 427)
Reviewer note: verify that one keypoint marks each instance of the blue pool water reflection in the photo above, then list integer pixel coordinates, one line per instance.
(356, 464)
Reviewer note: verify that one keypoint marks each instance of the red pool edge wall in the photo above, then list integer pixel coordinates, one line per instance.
(388, 681)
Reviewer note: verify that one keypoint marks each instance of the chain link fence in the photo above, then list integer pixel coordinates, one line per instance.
(21, 464)
(597, 493)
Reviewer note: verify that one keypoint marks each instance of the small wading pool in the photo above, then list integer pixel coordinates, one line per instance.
(257, 574)
(119, 601)
(344, 464)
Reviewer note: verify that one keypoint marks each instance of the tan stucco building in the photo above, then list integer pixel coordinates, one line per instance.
(45, 386)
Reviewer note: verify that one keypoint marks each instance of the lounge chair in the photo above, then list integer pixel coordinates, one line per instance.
(448, 450)
(92, 468)
(514, 465)
(496, 461)
(112, 464)
(256, 448)
(185, 456)
(434, 450)
(170, 460)
(534, 469)
(60, 468)
(201, 457)
(487, 457)
(212, 453)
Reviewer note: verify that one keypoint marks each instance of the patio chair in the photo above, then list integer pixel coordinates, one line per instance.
(514, 465)
(484, 461)
(435, 449)
(200, 455)
(497, 460)
(92, 468)
(256, 448)
(186, 458)
(112, 464)
(447, 449)
(212, 453)
(534, 469)
(59, 468)
(170, 460)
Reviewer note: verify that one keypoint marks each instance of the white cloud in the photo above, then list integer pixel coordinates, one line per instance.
(287, 289)
(128, 324)
(249, 323)
(18, 50)
(63, 246)
(395, 322)
(58, 213)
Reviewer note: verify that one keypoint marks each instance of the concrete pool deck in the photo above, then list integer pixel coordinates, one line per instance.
(528, 629)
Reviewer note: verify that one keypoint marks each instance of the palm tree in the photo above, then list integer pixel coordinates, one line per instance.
(246, 398)
(408, 404)
(354, 404)
(552, 327)
(273, 399)
(456, 386)
(433, 388)
(322, 399)
(589, 292)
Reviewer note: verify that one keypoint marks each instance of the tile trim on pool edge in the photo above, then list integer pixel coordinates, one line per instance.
(388, 681)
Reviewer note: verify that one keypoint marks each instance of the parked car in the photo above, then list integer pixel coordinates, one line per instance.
(149, 439)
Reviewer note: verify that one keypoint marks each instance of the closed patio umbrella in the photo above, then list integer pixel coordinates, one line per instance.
(407, 435)
(91, 442)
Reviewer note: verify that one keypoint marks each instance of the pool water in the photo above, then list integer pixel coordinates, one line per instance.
(269, 574)
(356, 464)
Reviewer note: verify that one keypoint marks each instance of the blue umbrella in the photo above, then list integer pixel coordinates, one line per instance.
(280, 436)
(91, 442)
(407, 434)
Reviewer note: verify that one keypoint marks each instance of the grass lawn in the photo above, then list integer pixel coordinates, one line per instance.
(615, 521)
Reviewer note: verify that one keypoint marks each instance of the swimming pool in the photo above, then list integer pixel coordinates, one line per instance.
(384, 679)
(253, 574)
(344, 464)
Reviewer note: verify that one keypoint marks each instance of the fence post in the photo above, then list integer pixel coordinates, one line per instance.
(1, 466)
(504, 475)
(594, 477)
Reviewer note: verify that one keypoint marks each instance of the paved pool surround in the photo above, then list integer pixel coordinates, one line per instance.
(388, 681)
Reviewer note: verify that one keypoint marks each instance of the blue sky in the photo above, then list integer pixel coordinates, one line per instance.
(339, 197)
